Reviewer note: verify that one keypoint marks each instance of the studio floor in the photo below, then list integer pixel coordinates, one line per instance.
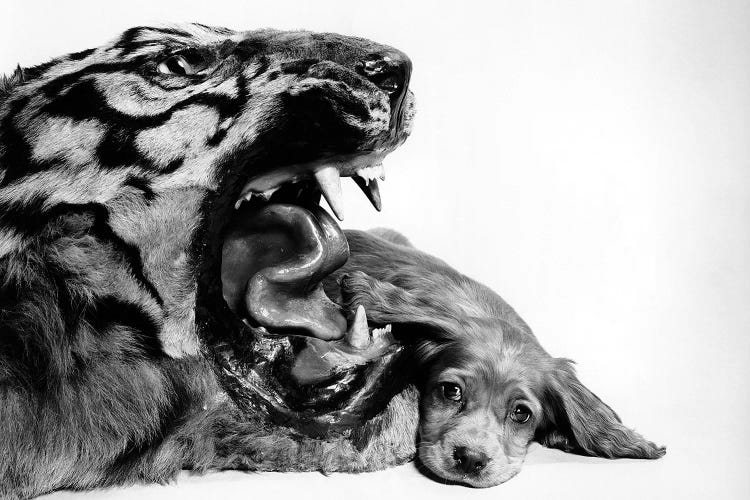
(547, 474)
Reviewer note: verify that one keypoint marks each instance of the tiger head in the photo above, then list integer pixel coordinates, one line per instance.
(170, 132)
(169, 182)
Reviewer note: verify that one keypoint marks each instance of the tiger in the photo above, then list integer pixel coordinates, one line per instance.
(162, 248)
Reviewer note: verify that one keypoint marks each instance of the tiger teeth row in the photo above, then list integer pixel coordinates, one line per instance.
(266, 195)
(329, 181)
(382, 331)
(358, 335)
(372, 172)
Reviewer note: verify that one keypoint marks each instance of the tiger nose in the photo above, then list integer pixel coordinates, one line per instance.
(390, 71)
(470, 461)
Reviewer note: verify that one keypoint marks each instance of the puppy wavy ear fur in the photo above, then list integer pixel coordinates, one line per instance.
(388, 303)
(577, 421)
(421, 315)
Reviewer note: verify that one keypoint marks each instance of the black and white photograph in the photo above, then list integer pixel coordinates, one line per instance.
(374, 250)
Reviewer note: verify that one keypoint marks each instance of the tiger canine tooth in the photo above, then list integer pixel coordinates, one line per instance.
(358, 335)
(371, 190)
(329, 180)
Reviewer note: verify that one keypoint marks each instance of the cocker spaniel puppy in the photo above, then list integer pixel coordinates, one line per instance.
(488, 388)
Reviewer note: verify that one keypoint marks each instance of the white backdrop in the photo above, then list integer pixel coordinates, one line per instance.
(588, 160)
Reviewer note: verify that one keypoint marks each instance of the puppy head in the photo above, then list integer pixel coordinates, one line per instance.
(481, 405)
(492, 390)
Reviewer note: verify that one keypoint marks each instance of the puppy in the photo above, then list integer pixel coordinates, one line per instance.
(488, 388)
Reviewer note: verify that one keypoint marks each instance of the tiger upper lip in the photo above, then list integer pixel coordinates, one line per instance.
(365, 170)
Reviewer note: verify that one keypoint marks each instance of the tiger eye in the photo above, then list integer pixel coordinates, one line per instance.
(451, 391)
(185, 63)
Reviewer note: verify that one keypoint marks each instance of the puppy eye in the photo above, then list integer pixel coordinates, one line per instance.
(521, 414)
(186, 63)
(451, 391)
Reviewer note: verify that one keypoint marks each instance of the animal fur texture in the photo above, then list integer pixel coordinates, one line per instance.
(119, 169)
(117, 166)
(487, 387)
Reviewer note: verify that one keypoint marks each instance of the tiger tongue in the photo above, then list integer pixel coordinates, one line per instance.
(273, 261)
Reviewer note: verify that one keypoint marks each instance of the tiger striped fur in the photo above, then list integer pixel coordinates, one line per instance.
(112, 176)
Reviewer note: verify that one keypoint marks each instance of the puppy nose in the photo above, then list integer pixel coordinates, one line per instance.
(470, 461)
(390, 71)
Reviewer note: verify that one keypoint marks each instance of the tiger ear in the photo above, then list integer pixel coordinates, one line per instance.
(8, 82)
(577, 421)
(388, 303)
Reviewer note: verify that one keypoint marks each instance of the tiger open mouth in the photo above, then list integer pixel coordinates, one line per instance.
(283, 345)
(282, 244)
(304, 359)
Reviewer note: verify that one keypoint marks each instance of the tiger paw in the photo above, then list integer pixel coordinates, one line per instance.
(320, 360)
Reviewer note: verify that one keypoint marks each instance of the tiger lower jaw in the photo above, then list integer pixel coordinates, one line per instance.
(281, 244)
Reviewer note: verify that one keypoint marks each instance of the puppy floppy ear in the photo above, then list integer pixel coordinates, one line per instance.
(388, 303)
(577, 421)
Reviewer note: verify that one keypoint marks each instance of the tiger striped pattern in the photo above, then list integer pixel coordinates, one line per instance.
(110, 170)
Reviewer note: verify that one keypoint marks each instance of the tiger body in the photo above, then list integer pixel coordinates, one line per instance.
(110, 175)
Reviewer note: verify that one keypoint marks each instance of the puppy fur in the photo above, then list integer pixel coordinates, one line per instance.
(488, 389)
